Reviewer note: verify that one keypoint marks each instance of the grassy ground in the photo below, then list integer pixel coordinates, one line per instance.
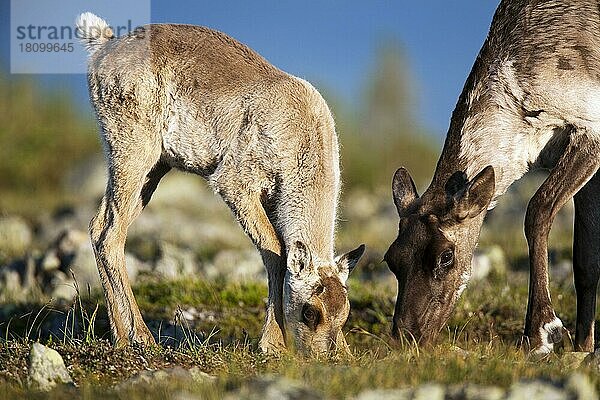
(481, 344)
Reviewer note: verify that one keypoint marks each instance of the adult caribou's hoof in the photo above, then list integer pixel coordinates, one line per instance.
(542, 342)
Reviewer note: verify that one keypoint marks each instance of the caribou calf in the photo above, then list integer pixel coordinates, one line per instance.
(187, 97)
(532, 100)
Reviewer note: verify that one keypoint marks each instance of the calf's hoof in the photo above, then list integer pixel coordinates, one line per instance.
(139, 336)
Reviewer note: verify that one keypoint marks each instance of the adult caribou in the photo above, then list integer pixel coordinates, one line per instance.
(532, 100)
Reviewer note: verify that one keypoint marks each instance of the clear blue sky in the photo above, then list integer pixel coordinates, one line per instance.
(333, 43)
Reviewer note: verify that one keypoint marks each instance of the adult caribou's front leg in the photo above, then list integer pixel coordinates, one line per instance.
(586, 260)
(575, 167)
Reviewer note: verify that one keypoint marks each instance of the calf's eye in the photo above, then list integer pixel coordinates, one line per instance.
(311, 316)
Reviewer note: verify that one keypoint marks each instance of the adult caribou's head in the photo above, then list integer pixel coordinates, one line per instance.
(431, 257)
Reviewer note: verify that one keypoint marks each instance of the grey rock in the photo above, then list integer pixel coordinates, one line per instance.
(50, 261)
(429, 391)
(175, 262)
(561, 271)
(17, 278)
(581, 386)
(385, 394)
(15, 237)
(271, 387)
(236, 265)
(487, 261)
(535, 390)
(83, 266)
(70, 241)
(134, 266)
(150, 378)
(474, 392)
(63, 286)
(46, 368)
(10, 284)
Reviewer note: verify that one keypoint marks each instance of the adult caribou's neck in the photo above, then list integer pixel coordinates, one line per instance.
(486, 127)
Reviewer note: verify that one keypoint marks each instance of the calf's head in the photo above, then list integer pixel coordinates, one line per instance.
(431, 257)
(315, 300)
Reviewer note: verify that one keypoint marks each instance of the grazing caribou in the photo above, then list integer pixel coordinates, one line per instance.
(532, 100)
(187, 97)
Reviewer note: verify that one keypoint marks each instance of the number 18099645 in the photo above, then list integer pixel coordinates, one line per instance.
(35, 47)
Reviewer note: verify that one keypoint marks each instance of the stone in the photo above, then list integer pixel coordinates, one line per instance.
(474, 392)
(15, 237)
(17, 278)
(63, 286)
(429, 391)
(562, 271)
(50, 261)
(487, 261)
(236, 265)
(10, 284)
(151, 378)
(581, 386)
(459, 351)
(46, 368)
(83, 266)
(385, 394)
(536, 389)
(271, 387)
(175, 262)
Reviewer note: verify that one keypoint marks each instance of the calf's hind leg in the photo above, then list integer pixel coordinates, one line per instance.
(586, 260)
(574, 169)
(134, 172)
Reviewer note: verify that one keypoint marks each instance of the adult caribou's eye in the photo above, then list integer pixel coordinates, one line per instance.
(311, 316)
(446, 259)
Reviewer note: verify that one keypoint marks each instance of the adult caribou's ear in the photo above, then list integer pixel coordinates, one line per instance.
(403, 190)
(474, 196)
(298, 258)
(348, 261)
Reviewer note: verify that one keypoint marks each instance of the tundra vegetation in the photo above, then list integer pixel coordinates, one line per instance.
(211, 320)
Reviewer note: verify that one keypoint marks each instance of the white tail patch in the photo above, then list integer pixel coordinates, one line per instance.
(93, 31)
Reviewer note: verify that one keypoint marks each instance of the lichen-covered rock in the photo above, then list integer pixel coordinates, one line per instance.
(236, 265)
(46, 368)
(488, 260)
(474, 392)
(581, 386)
(175, 262)
(385, 394)
(176, 374)
(536, 390)
(429, 391)
(15, 237)
(271, 387)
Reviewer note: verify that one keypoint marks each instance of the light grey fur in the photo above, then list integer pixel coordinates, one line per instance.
(187, 97)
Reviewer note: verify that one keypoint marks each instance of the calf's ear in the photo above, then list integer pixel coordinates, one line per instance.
(348, 261)
(298, 258)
